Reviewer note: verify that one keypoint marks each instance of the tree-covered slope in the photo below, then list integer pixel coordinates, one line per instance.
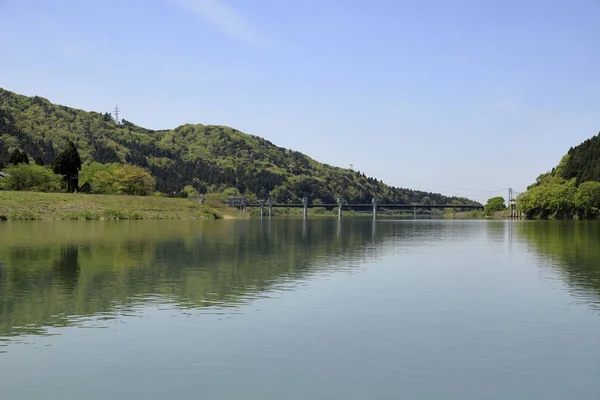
(571, 189)
(210, 158)
(583, 161)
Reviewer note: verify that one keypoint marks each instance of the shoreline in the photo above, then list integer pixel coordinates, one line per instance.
(22, 206)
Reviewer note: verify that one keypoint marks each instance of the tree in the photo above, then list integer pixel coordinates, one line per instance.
(189, 191)
(104, 182)
(494, 204)
(4, 156)
(18, 157)
(68, 163)
(31, 177)
(134, 181)
(587, 199)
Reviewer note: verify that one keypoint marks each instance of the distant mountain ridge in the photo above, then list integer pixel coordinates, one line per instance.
(208, 157)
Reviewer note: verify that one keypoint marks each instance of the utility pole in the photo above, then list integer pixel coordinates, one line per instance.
(117, 114)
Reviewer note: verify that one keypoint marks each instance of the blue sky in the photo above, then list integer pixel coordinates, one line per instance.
(465, 97)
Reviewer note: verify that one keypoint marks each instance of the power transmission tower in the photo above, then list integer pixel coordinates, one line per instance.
(352, 167)
(117, 114)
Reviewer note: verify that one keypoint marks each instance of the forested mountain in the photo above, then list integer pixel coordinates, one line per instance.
(210, 158)
(571, 189)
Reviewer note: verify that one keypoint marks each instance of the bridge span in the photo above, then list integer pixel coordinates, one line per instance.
(341, 205)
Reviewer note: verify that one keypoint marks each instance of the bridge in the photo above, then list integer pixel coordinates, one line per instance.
(340, 205)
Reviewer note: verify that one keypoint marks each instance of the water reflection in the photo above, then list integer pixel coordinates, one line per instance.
(571, 249)
(61, 273)
(65, 271)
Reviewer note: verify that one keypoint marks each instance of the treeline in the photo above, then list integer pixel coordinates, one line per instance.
(207, 158)
(571, 190)
(561, 200)
(64, 172)
(583, 162)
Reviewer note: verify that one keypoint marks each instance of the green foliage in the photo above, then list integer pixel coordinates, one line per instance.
(583, 162)
(85, 215)
(189, 191)
(587, 199)
(232, 192)
(89, 169)
(25, 215)
(31, 177)
(119, 179)
(549, 200)
(571, 189)
(134, 181)
(494, 204)
(18, 157)
(68, 163)
(209, 158)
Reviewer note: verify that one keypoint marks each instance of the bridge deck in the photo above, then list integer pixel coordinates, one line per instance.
(379, 206)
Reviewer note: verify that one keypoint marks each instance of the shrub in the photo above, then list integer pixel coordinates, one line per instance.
(24, 215)
(33, 178)
(119, 179)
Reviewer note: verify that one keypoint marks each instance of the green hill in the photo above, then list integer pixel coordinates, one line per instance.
(583, 161)
(210, 158)
(571, 189)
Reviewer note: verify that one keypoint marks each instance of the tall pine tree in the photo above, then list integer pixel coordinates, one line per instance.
(68, 164)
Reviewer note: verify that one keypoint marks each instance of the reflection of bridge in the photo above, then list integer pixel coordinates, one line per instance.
(341, 205)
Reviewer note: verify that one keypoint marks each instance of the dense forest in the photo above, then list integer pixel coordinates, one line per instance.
(206, 157)
(571, 189)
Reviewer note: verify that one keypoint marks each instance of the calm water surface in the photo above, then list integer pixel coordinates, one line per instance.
(292, 309)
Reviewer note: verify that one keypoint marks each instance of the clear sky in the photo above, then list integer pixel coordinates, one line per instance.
(465, 97)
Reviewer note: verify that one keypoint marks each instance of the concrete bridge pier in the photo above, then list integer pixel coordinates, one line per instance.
(262, 208)
(304, 228)
(414, 212)
(270, 207)
(374, 201)
(373, 229)
(339, 202)
(305, 205)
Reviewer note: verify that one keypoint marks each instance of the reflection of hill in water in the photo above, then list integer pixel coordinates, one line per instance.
(54, 273)
(574, 249)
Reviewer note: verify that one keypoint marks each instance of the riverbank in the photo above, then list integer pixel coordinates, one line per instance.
(67, 206)
(476, 214)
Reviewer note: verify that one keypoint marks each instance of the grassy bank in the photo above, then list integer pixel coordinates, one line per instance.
(49, 206)
(477, 214)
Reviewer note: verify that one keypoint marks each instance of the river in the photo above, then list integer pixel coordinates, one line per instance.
(300, 309)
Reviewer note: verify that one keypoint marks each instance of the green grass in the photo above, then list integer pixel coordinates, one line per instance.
(65, 206)
(473, 214)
